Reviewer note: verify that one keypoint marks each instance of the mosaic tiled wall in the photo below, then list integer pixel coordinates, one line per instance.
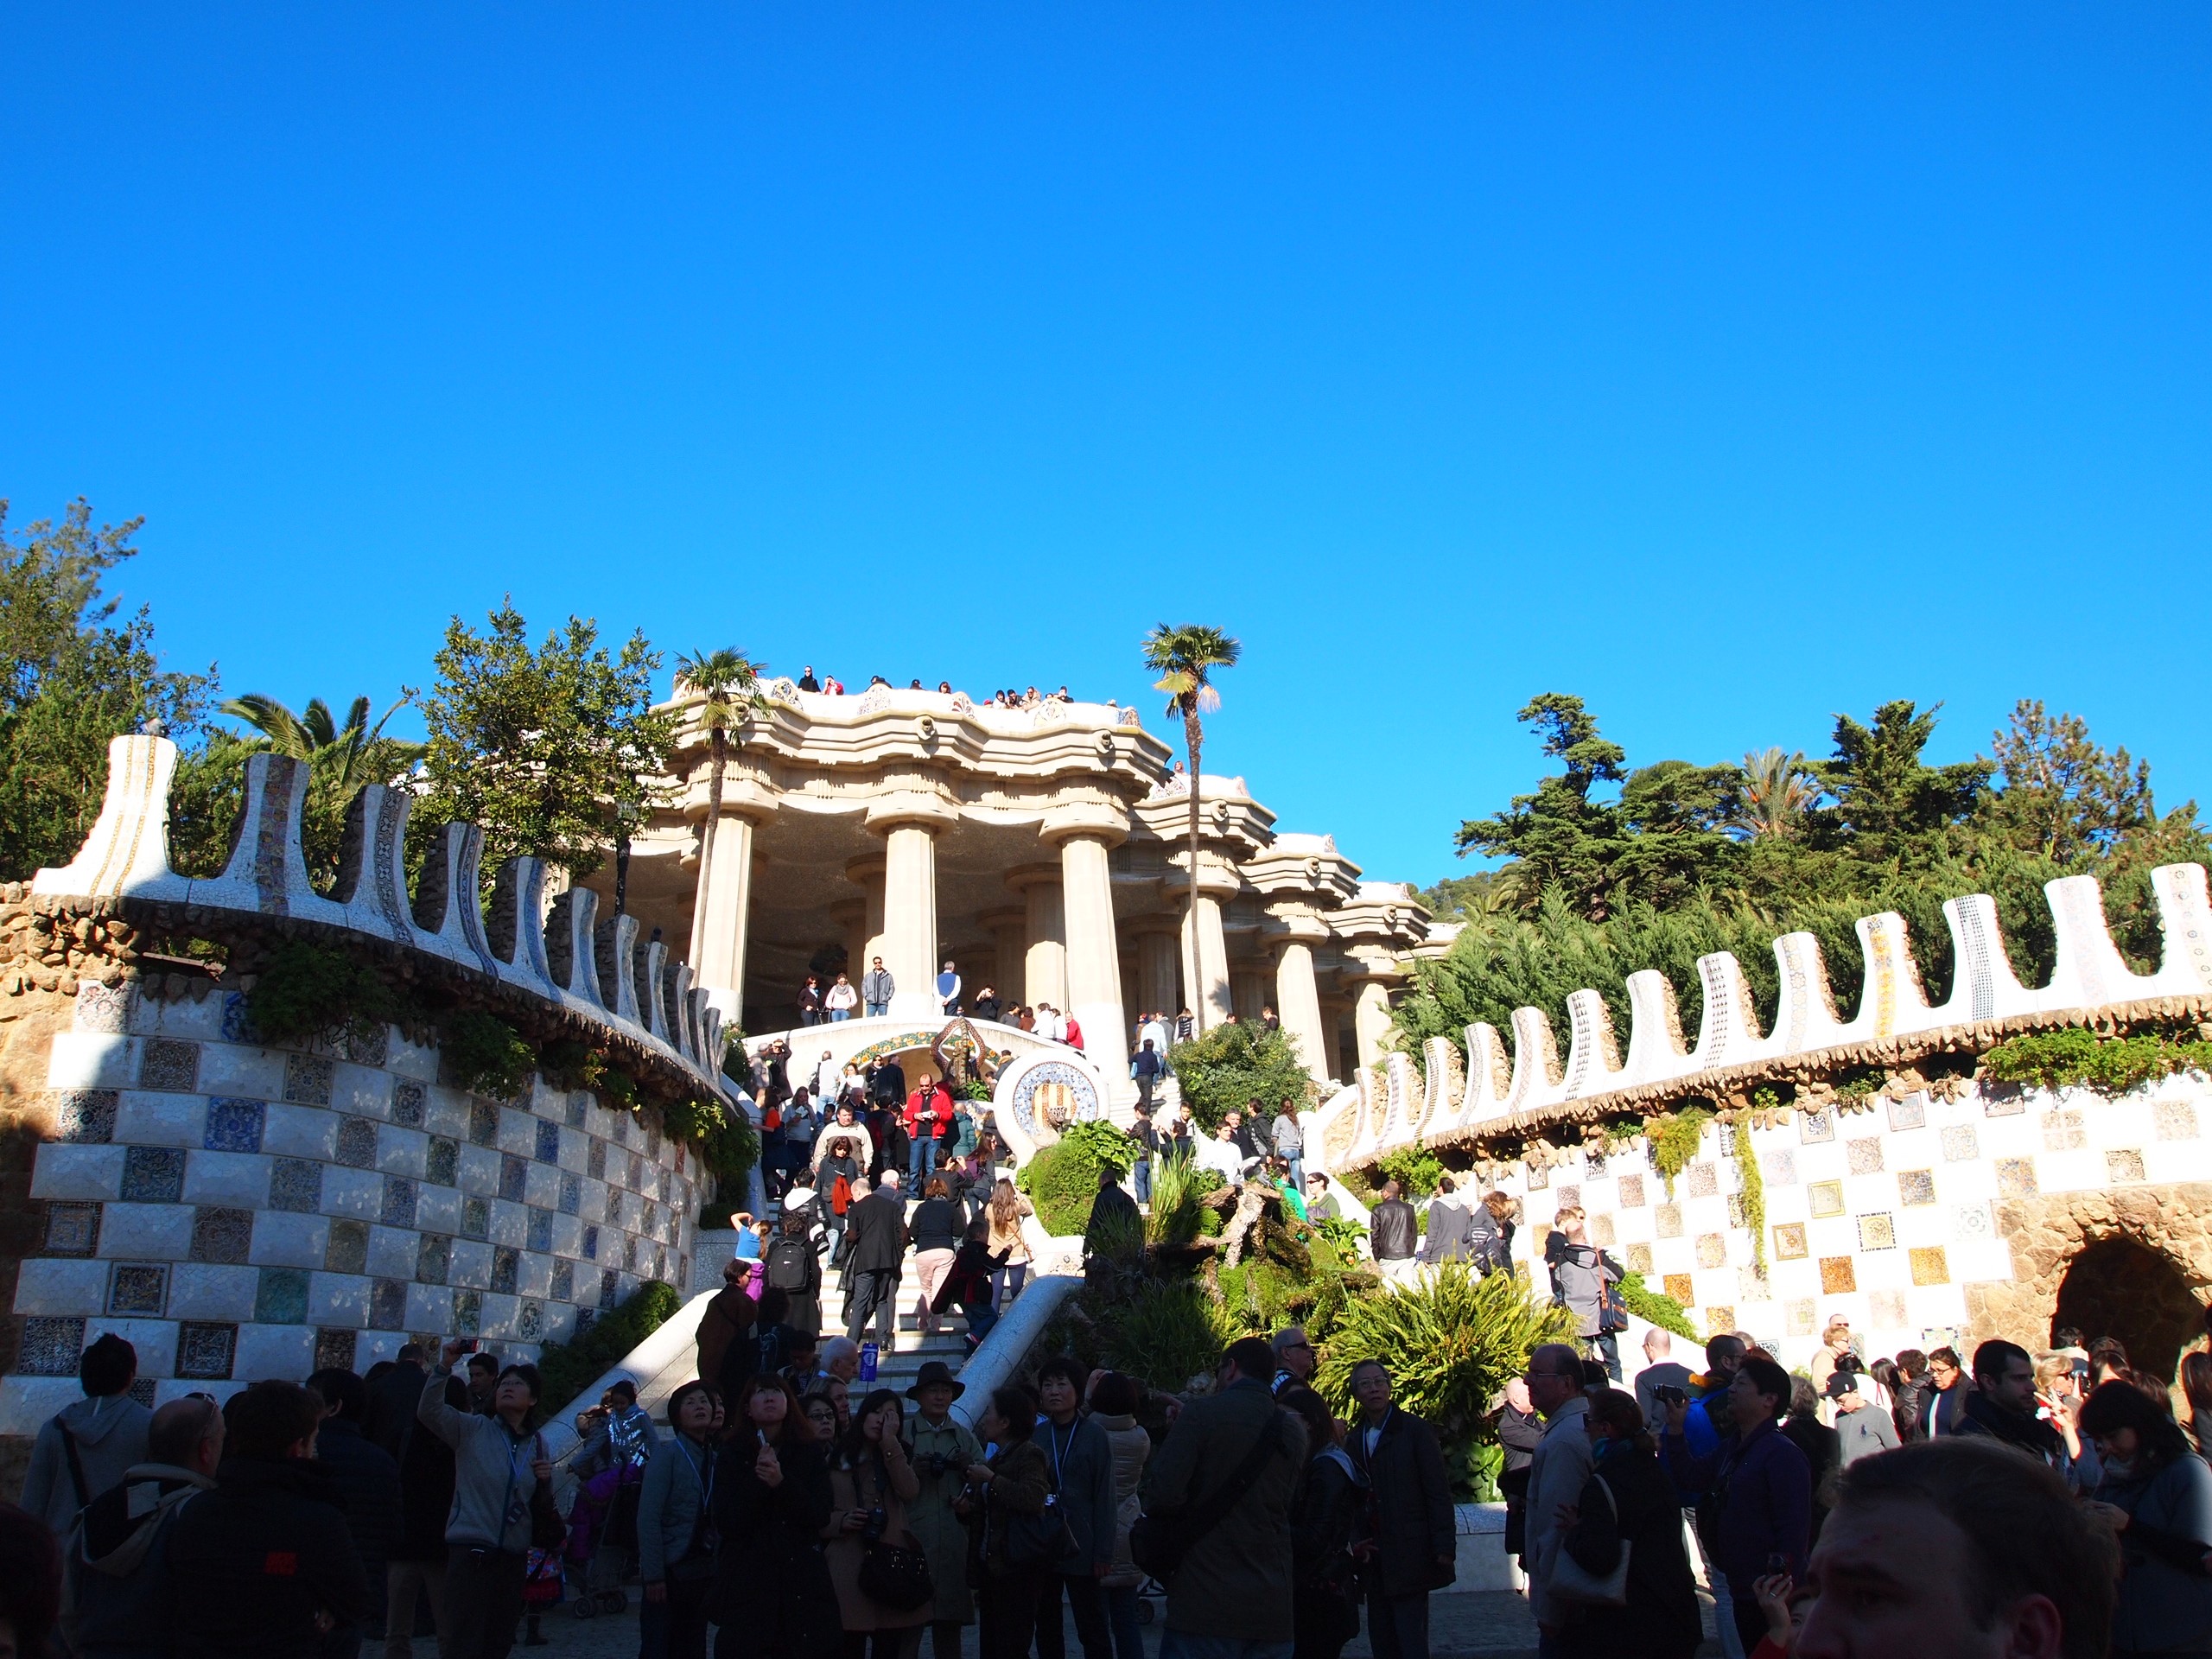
(241, 1211)
(1882, 1216)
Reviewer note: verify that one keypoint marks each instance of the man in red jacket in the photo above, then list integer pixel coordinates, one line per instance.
(928, 1117)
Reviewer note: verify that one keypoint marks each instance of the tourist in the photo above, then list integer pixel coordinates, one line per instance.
(271, 1503)
(1269, 1020)
(1557, 1474)
(1185, 1026)
(1821, 1446)
(1320, 1203)
(877, 987)
(1084, 1496)
(499, 1470)
(793, 1266)
(832, 686)
(2156, 1493)
(806, 680)
(1289, 1139)
(1115, 1229)
(1232, 1596)
(1146, 1069)
(1147, 1143)
(1505, 1215)
(809, 1001)
(928, 1122)
(2002, 1405)
(1628, 1505)
(483, 1369)
(935, 1228)
(1154, 1031)
(939, 1448)
(1660, 1370)
(1412, 1547)
(875, 1244)
(1181, 1132)
(1762, 1484)
(970, 1286)
(1861, 1427)
(1909, 1396)
(367, 1479)
(948, 990)
(1958, 1549)
(1071, 1033)
(1394, 1233)
(1008, 1209)
(416, 1577)
(943, 687)
(1943, 1410)
(1331, 1505)
(1835, 1341)
(120, 1585)
(839, 999)
(84, 1449)
(729, 1314)
(676, 1537)
(1450, 1233)
(871, 1483)
(30, 1582)
(988, 1004)
(837, 1179)
(1010, 1487)
(1519, 1432)
(1294, 1201)
(1113, 1399)
(1294, 1359)
(1251, 1138)
(1582, 1274)
(773, 1595)
(392, 1395)
(817, 1413)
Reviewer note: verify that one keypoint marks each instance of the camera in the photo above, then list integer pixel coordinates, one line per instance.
(1669, 1394)
(877, 1520)
(935, 1465)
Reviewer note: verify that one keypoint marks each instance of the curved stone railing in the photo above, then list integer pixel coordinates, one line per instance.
(1502, 1091)
(565, 956)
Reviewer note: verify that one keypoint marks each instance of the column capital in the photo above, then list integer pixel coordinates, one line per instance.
(1022, 877)
(865, 869)
(910, 808)
(742, 798)
(1285, 925)
(1003, 916)
(1094, 819)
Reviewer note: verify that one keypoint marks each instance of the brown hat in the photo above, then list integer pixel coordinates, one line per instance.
(934, 1371)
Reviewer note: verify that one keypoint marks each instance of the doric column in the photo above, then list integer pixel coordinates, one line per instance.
(1009, 929)
(909, 823)
(864, 934)
(720, 911)
(1297, 998)
(1087, 837)
(1205, 973)
(1332, 1048)
(1370, 1019)
(1045, 954)
(1156, 972)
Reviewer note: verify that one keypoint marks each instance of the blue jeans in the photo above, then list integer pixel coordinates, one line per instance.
(921, 1159)
(838, 1016)
(877, 1010)
(1181, 1645)
(1297, 1162)
(1397, 1626)
(1143, 1180)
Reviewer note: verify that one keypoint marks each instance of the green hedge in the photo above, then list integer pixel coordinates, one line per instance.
(566, 1369)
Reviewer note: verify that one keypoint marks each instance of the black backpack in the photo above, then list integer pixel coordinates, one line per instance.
(789, 1259)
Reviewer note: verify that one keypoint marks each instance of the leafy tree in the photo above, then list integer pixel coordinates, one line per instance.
(1185, 659)
(1891, 808)
(1234, 1064)
(2064, 795)
(543, 745)
(76, 676)
(728, 682)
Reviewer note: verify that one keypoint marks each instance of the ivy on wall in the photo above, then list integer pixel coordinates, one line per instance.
(1674, 1139)
(1754, 1189)
(2078, 1058)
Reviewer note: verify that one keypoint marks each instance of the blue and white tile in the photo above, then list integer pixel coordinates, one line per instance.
(337, 1299)
(92, 1059)
(408, 1059)
(498, 1318)
(358, 1192)
(429, 1308)
(471, 1267)
(283, 1238)
(542, 1187)
(61, 1286)
(534, 1275)
(393, 1252)
(146, 1232)
(239, 1180)
(437, 1209)
(155, 1339)
(294, 1131)
(517, 1132)
(146, 1119)
(568, 1236)
(402, 1151)
(285, 1351)
(509, 1224)
(480, 1170)
(445, 1111)
(200, 1291)
(66, 1171)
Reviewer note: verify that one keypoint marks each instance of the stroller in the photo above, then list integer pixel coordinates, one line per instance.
(600, 1554)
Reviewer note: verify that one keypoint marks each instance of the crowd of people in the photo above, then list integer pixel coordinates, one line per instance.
(1007, 698)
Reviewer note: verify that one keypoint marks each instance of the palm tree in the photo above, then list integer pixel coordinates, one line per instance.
(1778, 791)
(1185, 658)
(728, 682)
(342, 757)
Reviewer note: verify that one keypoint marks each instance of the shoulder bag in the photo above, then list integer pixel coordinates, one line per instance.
(1572, 1579)
(547, 1530)
(1159, 1543)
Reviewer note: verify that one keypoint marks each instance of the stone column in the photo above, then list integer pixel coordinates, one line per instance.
(1045, 958)
(1297, 998)
(720, 911)
(909, 822)
(1094, 958)
(864, 936)
(1370, 1018)
(1010, 932)
(1205, 973)
(1331, 1047)
(1156, 969)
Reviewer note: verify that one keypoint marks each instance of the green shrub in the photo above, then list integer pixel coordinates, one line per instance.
(484, 1056)
(566, 1369)
(1346, 1237)
(1654, 1307)
(1062, 1180)
(2078, 1058)
(1177, 1216)
(1166, 1333)
(1413, 1168)
(307, 993)
(1674, 1137)
(1233, 1065)
(727, 1146)
(1451, 1342)
(1101, 1142)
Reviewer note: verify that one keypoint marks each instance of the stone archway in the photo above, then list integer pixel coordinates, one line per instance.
(2117, 1288)
(2136, 1257)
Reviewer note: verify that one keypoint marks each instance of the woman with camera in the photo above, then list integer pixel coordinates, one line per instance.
(940, 1446)
(772, 1597)
(1010, 1561)
(875, 1563)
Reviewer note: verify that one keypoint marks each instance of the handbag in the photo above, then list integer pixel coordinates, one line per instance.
(548, 1531)
(1613, 1312)
(897, 1576)
(1159, 1542)
(1574, 1582)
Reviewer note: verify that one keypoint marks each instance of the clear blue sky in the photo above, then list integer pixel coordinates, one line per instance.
(1729, 369)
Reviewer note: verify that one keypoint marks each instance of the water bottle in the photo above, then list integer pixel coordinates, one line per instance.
(867, 1362)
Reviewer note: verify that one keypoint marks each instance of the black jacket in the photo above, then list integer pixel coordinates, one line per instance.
(875, 1234)
(1661, 1618)
(1409, 1503)
(935, 1225)
(368, 1484)
(1393, 1230)
(1111, 1201)
(255, 1560)
(426, 1484)
(773, 1578)
(392, 1399)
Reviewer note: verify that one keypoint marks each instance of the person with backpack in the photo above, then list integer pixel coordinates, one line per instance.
(117, 1566)
(85, 1448)
(794, 1266)
(838, 1181)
